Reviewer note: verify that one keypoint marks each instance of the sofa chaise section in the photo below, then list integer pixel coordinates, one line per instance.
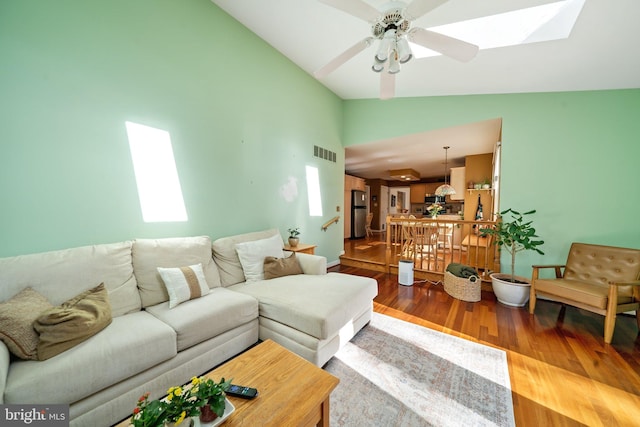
(312, 314)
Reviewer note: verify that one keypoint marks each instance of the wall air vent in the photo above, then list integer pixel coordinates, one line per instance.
(323, 153)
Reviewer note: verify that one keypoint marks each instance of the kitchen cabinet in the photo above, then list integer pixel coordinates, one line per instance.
(353, 183)
(430, 188)
(458, 183)
(417, 192)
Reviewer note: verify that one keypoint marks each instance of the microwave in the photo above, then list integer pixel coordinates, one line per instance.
(434, 199)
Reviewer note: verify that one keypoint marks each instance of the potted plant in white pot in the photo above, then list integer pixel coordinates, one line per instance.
(515, 236)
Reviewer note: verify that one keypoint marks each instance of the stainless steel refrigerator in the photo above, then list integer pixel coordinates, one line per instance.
(358, 214)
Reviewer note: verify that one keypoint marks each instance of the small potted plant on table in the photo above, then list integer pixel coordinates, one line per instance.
(211, 397)
(514, 236)
(293, 236)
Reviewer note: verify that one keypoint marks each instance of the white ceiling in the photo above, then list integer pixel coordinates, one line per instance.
(422, 152)
(600, 53)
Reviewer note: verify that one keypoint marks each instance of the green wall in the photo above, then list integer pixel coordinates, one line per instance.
(243, 121)
(571, 156)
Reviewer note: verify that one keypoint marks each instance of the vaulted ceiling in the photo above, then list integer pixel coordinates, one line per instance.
(600, 53)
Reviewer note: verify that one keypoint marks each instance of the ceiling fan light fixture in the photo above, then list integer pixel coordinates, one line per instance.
(385, 44)
(378, 66)
(404, 50)
(394, 65)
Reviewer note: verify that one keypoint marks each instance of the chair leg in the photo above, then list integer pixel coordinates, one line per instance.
(532, 300)
(609, 325)
(610, 317)
(532, 290)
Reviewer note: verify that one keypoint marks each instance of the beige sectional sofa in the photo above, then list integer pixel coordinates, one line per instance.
(149, 346)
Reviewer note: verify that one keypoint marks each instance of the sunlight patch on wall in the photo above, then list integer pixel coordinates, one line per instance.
(313, 191)
(156, 174)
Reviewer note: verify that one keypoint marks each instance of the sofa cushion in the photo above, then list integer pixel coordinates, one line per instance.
(573, 290)
(317, 305)
(184, 283)
(74, 321)
(198, 320)
(16, 322)
(278, 267)
(149, 254)
(226, 257)
(128, 346)
(60, 275)
(252, 255)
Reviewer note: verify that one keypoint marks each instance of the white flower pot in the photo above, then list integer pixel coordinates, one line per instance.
(511, 294)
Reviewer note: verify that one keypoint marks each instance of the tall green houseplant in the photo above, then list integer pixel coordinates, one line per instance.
(515, 235)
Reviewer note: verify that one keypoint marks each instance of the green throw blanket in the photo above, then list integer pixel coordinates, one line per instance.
(461, 270)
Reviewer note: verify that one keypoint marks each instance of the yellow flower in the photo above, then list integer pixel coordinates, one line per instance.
(181, 418)
(195, 380)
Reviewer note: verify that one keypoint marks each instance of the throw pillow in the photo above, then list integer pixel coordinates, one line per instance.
(73, 322)
(16, 322)
(184, 283)
(278, 267)
(252, 255)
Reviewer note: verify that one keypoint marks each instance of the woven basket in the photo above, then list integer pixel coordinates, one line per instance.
(461, 288)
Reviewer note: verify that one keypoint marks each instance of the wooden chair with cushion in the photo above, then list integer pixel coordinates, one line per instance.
(600, 279)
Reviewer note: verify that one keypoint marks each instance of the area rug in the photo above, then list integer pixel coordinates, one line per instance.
(395, 373)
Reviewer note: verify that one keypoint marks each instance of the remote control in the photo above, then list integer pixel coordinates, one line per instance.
(242, 391)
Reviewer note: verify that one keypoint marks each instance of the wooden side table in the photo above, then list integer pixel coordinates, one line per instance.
(302, 248)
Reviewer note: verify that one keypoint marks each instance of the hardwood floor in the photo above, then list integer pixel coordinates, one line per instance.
(562, 373)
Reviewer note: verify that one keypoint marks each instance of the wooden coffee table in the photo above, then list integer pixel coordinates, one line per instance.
(291, 390)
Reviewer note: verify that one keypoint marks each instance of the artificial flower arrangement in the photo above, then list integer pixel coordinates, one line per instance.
(434, 210)
(202, 397)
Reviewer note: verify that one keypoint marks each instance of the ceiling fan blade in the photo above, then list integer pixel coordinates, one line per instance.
(343, 57)
(387, 85)
(449, 46)
(357, 8)
(418, 8)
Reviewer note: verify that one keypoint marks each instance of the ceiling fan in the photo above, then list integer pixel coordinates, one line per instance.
(392, 27)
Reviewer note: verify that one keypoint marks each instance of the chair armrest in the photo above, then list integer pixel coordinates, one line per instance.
(537, 268)
(549, 266)
(312, 264)
(632, 283)
(5, 360)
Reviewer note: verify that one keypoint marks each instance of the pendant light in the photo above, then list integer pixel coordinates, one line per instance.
(445, 189)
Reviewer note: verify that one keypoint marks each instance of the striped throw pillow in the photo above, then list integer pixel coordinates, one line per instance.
(184, 283)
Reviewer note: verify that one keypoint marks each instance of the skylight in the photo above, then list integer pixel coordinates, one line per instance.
(159, 188)
(553, 21)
